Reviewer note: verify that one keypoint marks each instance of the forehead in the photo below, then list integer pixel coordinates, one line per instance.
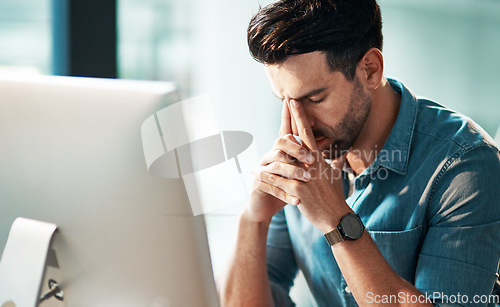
(301, 74)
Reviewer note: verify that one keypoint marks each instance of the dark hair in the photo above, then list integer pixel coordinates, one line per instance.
(344, 29)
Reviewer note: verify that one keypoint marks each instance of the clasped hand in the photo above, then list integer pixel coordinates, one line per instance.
(297, 174)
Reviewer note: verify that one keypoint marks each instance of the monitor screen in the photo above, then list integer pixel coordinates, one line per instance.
(71, 154)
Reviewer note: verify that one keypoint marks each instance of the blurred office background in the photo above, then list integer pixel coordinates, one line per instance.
(447, 50)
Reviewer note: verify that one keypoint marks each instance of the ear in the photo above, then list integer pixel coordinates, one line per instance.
(371, 67)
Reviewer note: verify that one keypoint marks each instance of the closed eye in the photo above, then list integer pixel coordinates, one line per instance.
(315, 101)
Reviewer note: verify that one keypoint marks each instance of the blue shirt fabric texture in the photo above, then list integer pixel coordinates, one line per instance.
(430, 201)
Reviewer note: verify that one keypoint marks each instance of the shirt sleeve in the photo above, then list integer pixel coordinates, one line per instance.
(281, 265)
(459, 259)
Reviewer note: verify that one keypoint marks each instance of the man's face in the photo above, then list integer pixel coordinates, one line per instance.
(336, 108)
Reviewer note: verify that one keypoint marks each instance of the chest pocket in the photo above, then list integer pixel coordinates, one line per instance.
(400, 249)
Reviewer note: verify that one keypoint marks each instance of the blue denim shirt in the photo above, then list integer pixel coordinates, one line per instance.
(430, 201)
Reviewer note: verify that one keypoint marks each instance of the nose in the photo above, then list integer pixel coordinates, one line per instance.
(310, 119)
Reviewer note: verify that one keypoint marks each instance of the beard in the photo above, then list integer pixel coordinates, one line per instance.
(343, 136)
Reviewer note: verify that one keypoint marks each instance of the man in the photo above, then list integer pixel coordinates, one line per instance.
(404, 191)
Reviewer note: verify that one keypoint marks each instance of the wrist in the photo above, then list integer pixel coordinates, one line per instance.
(251, 230)
(248, 217)
(334, 221)
(349, 228)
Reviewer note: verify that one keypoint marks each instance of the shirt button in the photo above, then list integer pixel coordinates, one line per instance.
(347, 290)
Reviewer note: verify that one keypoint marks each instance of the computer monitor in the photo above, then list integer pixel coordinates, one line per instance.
(71, 154)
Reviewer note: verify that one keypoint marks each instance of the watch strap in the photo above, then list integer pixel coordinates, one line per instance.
(334, 236)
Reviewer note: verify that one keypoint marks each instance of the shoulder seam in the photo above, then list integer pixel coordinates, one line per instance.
(437, 138)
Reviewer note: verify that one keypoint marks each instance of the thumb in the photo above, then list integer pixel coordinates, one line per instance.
(340, 162)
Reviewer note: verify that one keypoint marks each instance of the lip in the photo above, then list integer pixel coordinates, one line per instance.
(321, 141)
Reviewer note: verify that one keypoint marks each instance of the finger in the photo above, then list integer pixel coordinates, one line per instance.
(277, 155)
(275, 191)
(291, 138)
(287, 171)
(303, 128)
(286, 127)
(290, 186)
(287, 150)
(293, 123)
(339, 162)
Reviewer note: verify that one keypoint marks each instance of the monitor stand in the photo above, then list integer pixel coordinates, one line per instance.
(23, 263)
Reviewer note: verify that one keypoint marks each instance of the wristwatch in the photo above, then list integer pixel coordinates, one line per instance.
(349, 228)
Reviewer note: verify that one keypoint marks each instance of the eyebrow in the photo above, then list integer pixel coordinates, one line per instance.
(311, 93)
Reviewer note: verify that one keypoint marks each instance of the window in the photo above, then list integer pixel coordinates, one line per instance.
(25, 36)
(154, 39)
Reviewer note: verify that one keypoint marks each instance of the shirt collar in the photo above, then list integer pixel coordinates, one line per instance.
(396, 151)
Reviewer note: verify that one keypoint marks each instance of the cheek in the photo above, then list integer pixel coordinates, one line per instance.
(323, 116)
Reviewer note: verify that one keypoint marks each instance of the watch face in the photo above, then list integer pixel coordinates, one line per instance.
(352, 226)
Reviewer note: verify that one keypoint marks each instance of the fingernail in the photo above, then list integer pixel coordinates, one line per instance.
(294, 201)
(295, 103)
(307, 175)
(309, 158)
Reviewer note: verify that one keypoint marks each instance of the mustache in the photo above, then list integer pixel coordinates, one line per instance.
(319, 133)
